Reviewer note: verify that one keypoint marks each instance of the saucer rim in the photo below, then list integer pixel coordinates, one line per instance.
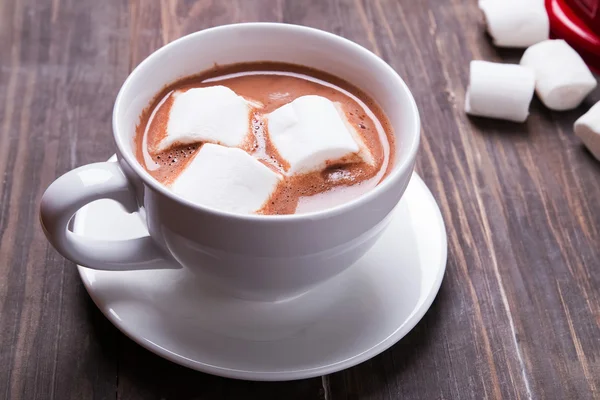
(402, 330)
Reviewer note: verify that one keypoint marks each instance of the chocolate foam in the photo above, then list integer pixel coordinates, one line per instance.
(274, 85)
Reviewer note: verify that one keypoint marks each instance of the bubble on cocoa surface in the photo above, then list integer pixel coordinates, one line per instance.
(172, 157)
(338, 175)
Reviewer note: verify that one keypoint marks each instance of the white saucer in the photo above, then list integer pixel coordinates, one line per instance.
(341, 323)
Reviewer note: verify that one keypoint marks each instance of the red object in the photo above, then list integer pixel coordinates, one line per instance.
(577, 22)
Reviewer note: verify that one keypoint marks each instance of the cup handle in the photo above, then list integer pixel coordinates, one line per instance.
(66, 195)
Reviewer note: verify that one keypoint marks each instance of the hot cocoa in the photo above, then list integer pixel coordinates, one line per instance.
(283, 139)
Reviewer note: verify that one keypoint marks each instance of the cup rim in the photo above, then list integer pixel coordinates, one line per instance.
(397, 172)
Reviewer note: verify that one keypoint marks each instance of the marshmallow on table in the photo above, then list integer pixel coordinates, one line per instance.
(562, 79)
(310, 131)
(516, 23)
(227, 179)
(499, 91)
(587, 128)
(214, 114)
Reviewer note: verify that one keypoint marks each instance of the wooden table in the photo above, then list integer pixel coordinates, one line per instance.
(518, 314)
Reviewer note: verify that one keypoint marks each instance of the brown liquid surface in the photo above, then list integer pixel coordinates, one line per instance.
(274, 85)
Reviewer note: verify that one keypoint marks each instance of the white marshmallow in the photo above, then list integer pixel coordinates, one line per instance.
(499, 91)
(228, 179)
(587, 128)
(516, 23)
(310, 131)
(562, 79)
(214, 114)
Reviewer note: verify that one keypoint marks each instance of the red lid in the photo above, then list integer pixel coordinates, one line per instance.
(577, 22)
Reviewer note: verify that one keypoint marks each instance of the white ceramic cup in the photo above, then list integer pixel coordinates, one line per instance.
(252, 256)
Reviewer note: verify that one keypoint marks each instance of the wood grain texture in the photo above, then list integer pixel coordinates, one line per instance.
(55, 57)
(518, 314)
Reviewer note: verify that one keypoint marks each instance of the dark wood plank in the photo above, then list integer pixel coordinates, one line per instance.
(518, 315)
(474, 363)
(62, 64)
(519, 204)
